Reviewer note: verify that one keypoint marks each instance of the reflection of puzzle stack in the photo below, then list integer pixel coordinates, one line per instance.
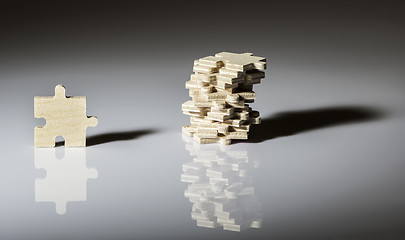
(220, 88)
(220, 188)
(65, 178)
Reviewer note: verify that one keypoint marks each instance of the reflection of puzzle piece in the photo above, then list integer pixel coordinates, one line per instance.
(65, 116)
(220, 188)
(65, 179)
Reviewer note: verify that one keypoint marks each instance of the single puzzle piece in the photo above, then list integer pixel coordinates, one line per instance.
(65, 179)
(233, 61)
(242, 62)
(65, 116)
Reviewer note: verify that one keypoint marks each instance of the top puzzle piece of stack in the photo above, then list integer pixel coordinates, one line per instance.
(221, 88)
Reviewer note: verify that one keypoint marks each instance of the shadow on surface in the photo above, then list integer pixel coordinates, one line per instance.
(112, 137)
(294, 122)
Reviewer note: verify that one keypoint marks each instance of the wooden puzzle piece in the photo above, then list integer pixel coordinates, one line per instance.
(253, 74)
(203, 77)
(65, 116)
(242, 62)
(203, 68)
(210, 61)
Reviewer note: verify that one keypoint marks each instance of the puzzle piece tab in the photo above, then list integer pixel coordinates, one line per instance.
(65, 116)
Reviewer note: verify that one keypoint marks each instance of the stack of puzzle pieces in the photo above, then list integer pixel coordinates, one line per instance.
(221, 88)
(221, 189)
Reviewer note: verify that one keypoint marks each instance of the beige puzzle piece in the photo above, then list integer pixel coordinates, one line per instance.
(65, 116)
(242, 62)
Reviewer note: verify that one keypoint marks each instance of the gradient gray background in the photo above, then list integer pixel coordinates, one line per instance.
(331, 146)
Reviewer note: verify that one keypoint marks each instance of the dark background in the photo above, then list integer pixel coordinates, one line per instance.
(51, 32)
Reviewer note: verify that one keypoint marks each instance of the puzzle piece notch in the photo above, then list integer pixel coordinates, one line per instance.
(65, 116)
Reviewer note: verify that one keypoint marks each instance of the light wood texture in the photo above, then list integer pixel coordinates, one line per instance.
(220, 89)
(65, 116)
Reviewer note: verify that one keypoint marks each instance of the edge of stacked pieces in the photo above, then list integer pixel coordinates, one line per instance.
(221, 89)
